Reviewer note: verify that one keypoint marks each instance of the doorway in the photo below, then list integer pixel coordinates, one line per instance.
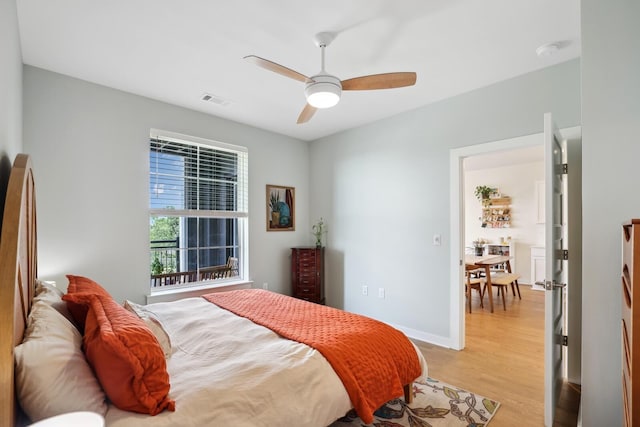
(458, 223)
(457, 231)
(572, 206)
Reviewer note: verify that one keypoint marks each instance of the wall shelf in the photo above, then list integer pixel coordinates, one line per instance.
(496, 213)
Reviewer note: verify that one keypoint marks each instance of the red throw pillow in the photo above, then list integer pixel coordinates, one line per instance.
(78, 306)
(84, 284)
(126, 357)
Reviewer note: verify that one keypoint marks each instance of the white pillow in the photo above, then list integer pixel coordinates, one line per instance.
(52, 374)
(48, 289)
(152, 323)
(49, 293)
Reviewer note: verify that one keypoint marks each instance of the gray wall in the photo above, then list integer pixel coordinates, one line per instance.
(384, 191)
(610, 124)
(10, 92)
(610, 177)
(89, 146)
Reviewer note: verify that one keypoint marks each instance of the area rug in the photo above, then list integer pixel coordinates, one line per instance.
(435, 403)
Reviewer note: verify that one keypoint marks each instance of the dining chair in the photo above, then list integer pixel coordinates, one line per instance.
(473, 281)
(229, 269)
(502, 281)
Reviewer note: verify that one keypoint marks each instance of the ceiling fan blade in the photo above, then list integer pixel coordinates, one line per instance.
(277, 68)
(307, 112)
(380, 81)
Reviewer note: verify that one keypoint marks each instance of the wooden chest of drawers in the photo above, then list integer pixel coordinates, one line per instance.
(631, 322)
(307, 273)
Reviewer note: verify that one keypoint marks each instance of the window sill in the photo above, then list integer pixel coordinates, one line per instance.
(168, 295)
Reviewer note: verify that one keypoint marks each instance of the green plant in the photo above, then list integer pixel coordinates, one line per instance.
(274, 202)
(318, 229)
(478, 245)
(156, 266)
(479, 242)
(483, 192)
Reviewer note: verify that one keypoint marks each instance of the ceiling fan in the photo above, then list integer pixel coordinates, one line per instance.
(323, 90)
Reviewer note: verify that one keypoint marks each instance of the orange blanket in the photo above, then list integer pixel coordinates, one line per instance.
(372, 359)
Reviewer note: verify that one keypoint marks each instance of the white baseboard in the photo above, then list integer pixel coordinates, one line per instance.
(425, 337)
(580, 414)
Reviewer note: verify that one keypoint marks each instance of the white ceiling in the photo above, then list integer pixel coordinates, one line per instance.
(176, 51)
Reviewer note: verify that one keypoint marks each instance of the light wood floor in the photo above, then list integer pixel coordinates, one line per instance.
(503, 358)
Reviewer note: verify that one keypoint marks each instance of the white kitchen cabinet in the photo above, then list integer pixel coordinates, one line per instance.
(537, 267)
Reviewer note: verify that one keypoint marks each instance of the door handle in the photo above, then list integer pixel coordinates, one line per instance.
(550, 285)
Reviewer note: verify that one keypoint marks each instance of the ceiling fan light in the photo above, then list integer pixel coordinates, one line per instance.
(323, 94)
(323, 99)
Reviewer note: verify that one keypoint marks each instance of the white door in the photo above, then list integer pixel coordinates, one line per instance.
(554, 271)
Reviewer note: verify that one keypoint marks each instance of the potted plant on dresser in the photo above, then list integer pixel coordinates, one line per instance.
(318, 229)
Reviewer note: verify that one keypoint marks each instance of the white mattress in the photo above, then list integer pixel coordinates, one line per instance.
(227, 371)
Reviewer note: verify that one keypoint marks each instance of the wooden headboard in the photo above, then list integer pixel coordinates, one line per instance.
(17, 276)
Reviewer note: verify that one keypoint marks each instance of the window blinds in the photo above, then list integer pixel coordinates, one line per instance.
(192, 178)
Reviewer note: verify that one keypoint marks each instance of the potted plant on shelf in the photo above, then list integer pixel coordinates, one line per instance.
(483, 192)
(478, 246)
(274, 204)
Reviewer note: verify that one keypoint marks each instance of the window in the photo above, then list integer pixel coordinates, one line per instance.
(197, 211)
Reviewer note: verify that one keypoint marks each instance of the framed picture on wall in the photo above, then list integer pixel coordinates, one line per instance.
(281, 208)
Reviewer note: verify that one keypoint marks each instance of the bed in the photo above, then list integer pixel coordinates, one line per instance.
(223, 368)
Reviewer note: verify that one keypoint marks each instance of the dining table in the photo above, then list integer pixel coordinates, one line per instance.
(486, 262)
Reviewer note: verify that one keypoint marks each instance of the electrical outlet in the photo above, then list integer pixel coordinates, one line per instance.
(380, 292)
(365, 290)
(265, 285)
(437, 240)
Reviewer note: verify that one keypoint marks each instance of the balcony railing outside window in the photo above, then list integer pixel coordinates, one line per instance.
(165, 264)
(165, 256)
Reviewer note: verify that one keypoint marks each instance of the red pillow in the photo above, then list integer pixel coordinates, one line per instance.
(78, 306)
(84, 284)
(126, 357)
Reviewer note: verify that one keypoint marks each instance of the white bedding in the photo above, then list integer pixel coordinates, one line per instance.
(227, 371)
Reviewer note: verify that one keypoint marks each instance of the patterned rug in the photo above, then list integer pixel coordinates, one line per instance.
(434, 404)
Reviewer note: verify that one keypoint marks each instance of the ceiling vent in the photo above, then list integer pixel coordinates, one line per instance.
(215, 99)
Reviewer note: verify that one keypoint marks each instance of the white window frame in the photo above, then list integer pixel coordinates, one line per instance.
(242, 212)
